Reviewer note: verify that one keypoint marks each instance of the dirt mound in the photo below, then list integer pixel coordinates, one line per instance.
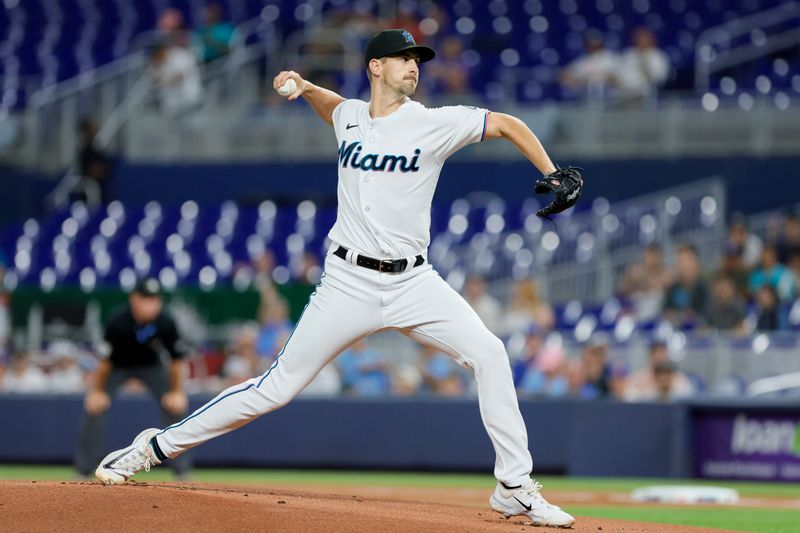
(82, 506)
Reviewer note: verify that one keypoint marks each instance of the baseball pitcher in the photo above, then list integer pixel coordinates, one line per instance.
(377, 276)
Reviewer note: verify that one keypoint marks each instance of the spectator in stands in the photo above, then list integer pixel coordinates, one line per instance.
(526, 308)
(264, 265)
(309, 270)
(275, 324)
(215, 33)
(406, 380)
(575, 374)
(665, 376)
(597, 368)
(364, 371)
(141, 343)
(486, 306)
(594, 71)
(65, 375)
(657, 379)
(23, 377)
(793, 264)
(642, 68)
(440, 373)
(242, 361)
(789, 244)
(170, 28)
(774, 274)
(733, 268)
(546, 377)
(96, 168)
(750, 243)
(726, 309)
(450, 75)
(534, 344)
(645, 283)
(687, 297)
(176, 77)
(769, 314)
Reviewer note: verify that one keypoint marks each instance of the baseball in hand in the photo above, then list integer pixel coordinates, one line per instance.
(288, 87)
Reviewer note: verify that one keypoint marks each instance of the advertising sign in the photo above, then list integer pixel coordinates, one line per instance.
(747, 446)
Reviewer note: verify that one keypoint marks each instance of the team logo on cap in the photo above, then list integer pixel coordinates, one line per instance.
(408, 37)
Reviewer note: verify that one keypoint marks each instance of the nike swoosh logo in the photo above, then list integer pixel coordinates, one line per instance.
(114, 460)
(527, 507)
(509, 487)
(351, 126)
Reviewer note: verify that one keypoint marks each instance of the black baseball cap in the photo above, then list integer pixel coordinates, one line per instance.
(147, 287)
(391, 42)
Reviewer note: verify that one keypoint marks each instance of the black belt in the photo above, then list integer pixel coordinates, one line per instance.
(393, 266)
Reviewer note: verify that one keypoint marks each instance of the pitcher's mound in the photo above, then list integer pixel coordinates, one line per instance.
(85, 506)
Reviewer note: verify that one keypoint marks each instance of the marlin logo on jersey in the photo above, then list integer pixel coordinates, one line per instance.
(349, 154)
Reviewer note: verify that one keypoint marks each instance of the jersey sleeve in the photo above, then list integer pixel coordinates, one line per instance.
(459, 126)
(340, 115)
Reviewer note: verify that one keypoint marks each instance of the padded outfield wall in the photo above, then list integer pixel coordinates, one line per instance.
(721, 440)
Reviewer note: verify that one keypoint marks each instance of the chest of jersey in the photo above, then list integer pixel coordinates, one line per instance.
(381, 149)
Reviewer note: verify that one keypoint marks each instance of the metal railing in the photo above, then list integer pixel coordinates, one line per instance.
(709, 59)
(717, 364)
(292, 131)
(586, 254)
(73, 180)
(52, 115)
(112, 94)
(244, 128)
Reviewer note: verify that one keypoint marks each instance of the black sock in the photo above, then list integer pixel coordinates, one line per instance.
(157, 449)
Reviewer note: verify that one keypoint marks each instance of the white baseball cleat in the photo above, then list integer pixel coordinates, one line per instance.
(118, 466)
(527, 500)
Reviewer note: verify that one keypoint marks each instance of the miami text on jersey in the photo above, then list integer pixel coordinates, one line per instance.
(350, 153)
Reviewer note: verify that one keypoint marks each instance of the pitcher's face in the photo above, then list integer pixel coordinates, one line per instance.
(401, 73)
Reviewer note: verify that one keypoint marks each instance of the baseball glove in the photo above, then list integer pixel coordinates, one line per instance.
(566, 183)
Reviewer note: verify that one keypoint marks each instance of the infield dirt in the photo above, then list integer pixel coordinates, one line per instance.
(32, 506)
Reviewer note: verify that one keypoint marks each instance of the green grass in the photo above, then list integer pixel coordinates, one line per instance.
(731, 518)
(740, 519)
(403, 479)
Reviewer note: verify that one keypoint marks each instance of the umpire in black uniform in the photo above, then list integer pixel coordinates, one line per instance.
(141, 342)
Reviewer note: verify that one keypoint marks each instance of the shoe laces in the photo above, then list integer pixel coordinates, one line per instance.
(534, 491)
(134, 458)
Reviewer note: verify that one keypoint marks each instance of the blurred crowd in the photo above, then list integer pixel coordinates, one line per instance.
(751, 290)
(178, 54)
(628, 77)
(331, 57)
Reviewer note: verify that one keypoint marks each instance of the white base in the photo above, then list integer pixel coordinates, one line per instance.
(678, 494)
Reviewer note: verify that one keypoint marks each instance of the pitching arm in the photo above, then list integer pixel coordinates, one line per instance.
(323, 101)
(500, 125)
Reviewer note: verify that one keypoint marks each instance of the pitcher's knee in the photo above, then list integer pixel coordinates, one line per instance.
(489, 352)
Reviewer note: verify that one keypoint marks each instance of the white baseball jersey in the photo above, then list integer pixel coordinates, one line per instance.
(388, 171)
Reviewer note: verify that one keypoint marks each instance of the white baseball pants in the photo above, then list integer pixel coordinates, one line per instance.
(350, 303)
